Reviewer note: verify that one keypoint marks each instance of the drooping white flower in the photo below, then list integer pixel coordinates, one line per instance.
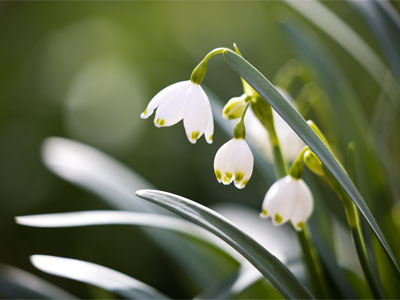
(234, 162)
(288, 199)
(183, 100)
(290, 142)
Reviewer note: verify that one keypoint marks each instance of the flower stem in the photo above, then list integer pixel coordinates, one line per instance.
(200, 71)
(280, 165)
(353, 221)
(239, 131)
(314, 265)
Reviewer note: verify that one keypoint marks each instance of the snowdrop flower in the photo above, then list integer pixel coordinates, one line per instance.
(234, 162)
(290, 142)
(183, 100)
(288, 199)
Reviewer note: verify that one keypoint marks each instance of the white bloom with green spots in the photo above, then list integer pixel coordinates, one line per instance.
(288, 199)
(183, 100)
(234, 162)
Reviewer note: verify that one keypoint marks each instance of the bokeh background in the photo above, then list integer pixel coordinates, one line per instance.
(86, 70)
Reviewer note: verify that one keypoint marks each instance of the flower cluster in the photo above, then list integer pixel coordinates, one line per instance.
(289, 198)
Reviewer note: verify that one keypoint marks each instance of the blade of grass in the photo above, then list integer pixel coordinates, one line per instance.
(96, 218)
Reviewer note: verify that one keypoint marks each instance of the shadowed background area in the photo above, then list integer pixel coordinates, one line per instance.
(86, 70)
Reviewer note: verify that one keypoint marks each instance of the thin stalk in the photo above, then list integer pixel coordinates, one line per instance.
(280, 165)
(313, 263)
(353, 221)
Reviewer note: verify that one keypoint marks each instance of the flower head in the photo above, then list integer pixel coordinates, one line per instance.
(183, 100)
(234, 162)
(288, 199)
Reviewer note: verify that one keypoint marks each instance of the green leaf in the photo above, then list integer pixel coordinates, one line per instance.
(96, 275)
(299, 125)
(96, 218)
(276, 272)
(18, 284)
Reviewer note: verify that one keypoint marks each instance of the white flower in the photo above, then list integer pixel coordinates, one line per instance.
(288, 199)
(290, 142)
(234, 162)
(183, 100)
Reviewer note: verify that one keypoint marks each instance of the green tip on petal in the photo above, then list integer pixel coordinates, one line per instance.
(239, 176)
(264, 213)
(218, 174)
(195, 135)
(300, 225)
(227, 177)
(278, 218)
(145, 112)
(245, 182)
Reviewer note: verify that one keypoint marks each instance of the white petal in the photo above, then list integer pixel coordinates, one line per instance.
(290, 142)
(170, 111)
(222, 163)
(196, 114)
(257, 134)
(302, 205)
(278, 200)
(160, 97)
(242, 163)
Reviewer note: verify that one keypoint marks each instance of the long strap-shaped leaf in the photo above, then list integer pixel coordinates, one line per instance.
(280, 276)
(112, 217)
(97, 275)
(300, 126)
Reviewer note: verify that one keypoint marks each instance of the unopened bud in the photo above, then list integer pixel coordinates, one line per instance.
(313, 163)
(233, 109)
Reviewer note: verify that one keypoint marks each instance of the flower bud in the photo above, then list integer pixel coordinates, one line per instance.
(313, 163)
(233, 109)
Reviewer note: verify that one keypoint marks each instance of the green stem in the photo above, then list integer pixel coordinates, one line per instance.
(314, 266)
(280, 165)
(200, 71)
(353, 221)
(239, 131)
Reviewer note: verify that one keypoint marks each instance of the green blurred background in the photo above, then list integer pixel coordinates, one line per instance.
(86, 70)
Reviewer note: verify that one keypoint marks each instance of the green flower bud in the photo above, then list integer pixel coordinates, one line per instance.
(233, 109)
(313, 163)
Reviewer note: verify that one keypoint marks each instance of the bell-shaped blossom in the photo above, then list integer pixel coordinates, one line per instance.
(288, 199)
(234, 162)
(183, 100)
(290, 142)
